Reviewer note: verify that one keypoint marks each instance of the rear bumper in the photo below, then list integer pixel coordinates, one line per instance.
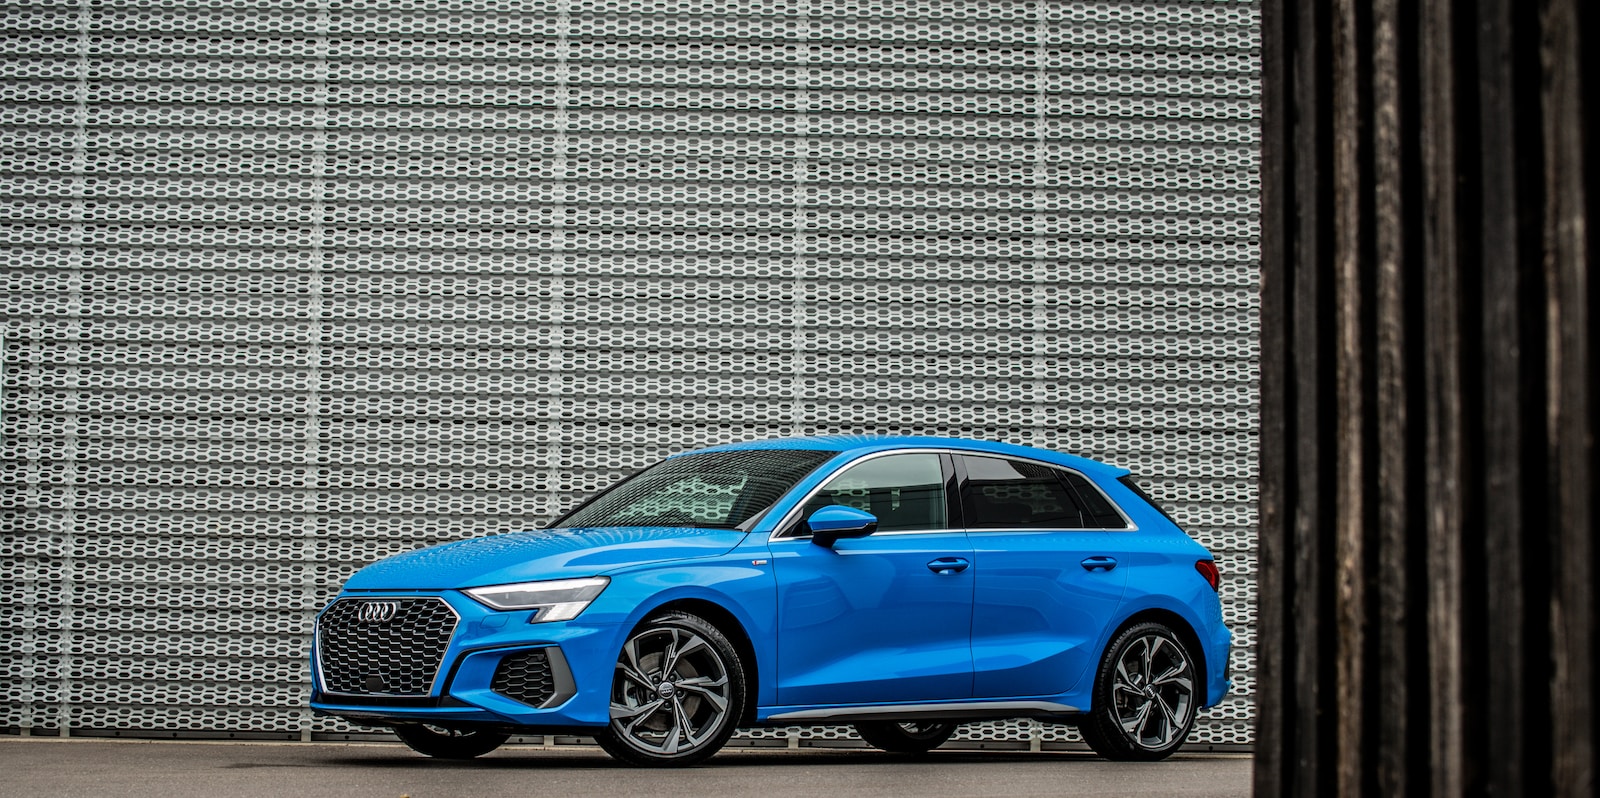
(1220, 674)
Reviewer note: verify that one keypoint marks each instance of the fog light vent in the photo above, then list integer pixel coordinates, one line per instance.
(525, 676)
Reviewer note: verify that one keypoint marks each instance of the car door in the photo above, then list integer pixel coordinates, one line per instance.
(1047, 583)
(885, 618)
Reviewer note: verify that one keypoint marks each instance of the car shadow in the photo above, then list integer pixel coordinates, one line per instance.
(513, 759)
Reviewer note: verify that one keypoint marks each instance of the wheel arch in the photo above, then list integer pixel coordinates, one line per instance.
(730, 626)
(1172, 620)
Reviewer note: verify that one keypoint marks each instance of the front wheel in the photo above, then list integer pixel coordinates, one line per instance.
(443, 743)
(676, 694)
(905, 738)
(1144, 696)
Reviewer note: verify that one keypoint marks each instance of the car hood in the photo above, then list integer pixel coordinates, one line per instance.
(541, 554)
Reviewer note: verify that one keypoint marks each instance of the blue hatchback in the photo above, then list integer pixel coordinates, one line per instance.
(900, 585)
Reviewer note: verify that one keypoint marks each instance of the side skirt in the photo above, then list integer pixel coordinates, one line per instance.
(962, 710)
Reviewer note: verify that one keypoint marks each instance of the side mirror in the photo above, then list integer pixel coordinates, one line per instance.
(835, 522)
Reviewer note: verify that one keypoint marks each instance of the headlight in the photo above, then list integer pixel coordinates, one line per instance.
(555, 600)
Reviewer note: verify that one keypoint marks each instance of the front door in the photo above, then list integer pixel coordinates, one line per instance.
(886, 618)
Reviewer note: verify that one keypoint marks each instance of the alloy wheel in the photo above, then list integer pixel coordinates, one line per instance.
(673, 694)
(1153, 692)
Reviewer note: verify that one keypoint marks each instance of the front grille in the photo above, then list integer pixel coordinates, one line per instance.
(384, 654)
(525, 677)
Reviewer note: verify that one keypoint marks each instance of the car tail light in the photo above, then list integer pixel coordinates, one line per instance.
(1208, 569)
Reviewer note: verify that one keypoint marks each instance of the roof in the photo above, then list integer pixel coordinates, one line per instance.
(863, 444)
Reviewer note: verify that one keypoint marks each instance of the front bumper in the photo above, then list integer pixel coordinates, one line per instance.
(581, 657)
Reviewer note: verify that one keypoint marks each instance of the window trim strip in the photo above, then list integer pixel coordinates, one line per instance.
(960, 476)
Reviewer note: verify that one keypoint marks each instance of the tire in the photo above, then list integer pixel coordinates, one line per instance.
(1144, 696)
(677, 694)
(912, 737)
(442, 743)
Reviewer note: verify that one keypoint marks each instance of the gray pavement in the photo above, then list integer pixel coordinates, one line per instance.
(171, 769)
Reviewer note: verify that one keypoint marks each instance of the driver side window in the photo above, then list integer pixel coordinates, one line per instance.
(905, 492)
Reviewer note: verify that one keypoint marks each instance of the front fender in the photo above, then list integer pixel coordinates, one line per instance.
(737, 585)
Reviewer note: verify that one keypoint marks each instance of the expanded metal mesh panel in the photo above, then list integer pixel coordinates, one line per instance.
(291, 286)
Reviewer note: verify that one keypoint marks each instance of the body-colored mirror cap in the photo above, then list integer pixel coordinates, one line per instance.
(838, 518)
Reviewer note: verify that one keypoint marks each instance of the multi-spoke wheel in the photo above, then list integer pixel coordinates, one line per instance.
(1144, 696)
(677, 693)
(445, 743)
(913, 737)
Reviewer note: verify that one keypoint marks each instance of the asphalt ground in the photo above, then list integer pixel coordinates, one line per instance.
(181, 769)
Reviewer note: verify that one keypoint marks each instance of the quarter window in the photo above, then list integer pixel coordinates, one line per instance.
(1012, 494)
(905, 491)
(1096, 507)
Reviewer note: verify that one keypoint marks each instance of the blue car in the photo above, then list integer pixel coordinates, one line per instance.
(901, 585)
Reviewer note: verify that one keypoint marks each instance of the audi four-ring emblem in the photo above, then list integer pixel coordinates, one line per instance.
(377, 611)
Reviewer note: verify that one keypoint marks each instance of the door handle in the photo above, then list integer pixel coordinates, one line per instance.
(949, 565)
(1091, 563)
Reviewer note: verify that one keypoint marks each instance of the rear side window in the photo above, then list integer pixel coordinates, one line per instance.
(1098, 509)
(1012, 494)
(1127, 482)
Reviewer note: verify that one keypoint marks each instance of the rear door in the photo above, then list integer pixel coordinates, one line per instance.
(1047, 580)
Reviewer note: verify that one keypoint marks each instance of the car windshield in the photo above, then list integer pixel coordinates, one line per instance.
(726, 490)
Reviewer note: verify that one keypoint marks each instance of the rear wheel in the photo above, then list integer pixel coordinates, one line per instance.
(917, 737)
(677, 693)
(1144, 696)
(442, 743)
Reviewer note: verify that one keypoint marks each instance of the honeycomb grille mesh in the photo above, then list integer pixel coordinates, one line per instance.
(524, 677)
(398, 656)
(287, 287)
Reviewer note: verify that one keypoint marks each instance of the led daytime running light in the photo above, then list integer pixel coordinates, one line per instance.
(553, 600)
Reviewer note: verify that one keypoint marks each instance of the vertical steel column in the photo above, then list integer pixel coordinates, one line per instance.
(311, 484)
(72, 399)
(799, 418)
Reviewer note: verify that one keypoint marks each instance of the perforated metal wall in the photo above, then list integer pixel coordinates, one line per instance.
(292, 286)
